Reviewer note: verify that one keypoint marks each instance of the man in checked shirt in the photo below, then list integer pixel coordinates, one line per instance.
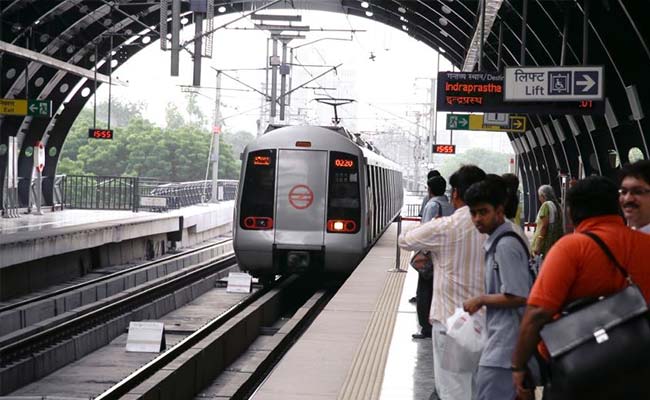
(459, 274)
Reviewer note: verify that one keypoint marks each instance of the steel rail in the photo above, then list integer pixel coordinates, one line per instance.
(24, 347)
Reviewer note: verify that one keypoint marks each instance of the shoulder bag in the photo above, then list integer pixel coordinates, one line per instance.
(601, 343)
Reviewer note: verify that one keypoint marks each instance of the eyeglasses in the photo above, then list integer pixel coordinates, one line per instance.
(635, 191)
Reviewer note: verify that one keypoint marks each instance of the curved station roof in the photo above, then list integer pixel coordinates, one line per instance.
(49, 49)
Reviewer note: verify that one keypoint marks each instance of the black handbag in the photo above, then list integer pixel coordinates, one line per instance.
(602, 344)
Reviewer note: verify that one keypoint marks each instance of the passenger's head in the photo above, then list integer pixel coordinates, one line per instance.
(437, 186)
(462, 179)
(432, 173)
(546, 193)
(634, 193)
(486, 200)
(512, 200)
(592, 197)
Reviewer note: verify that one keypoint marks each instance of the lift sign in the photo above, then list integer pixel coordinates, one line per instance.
(100, 133)
(444, 149)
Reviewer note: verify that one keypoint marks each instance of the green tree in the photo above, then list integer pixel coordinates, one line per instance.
(194, 111)
(491, 162)
(121, 112)
(229, 166)
(238, 140)
(173, 117)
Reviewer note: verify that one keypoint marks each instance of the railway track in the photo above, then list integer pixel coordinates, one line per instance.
(25, 317)
(32, 356)
(193, 364)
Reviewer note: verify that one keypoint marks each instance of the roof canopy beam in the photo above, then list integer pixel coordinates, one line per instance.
(31, 55)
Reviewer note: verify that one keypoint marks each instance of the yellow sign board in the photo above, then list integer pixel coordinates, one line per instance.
(517, 124)
(13, 107)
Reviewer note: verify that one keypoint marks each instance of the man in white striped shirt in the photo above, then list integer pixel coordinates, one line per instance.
(458, 256)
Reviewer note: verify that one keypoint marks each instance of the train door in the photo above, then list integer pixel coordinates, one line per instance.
(301, 194)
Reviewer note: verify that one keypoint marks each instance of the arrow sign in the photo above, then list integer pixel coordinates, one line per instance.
(585, 82)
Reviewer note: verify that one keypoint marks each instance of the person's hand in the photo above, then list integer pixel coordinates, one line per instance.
(522, 392)
(473, 305)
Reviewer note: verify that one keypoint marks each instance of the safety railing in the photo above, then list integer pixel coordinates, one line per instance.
(100, 192)
(133, 193)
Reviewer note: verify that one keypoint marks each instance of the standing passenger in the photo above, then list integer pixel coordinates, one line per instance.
(459, 274)
(438, 206)
(548, 223)
(507, 283)
(426, 198)
(577, 268)
(634, 195)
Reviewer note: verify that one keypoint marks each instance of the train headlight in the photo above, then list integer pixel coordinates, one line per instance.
(341, 226)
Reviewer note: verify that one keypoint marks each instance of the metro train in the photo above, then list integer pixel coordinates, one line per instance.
(312, 198)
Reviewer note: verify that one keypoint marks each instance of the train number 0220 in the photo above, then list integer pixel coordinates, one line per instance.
(342, 163)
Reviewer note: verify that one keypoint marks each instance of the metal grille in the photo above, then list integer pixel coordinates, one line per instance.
(209, 25)
(100, 192)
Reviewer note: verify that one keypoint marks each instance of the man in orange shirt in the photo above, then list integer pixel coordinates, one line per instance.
(576, 267)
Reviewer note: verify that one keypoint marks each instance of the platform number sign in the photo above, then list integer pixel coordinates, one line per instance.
(444, 149)
(106, 134)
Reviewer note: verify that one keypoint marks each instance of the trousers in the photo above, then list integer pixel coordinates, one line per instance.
(424, 293)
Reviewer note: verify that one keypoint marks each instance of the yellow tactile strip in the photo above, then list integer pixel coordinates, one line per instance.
(367, 371)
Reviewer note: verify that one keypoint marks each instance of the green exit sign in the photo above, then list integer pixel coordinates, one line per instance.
(39, 108)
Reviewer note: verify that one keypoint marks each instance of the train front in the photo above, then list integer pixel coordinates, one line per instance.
(299, 207)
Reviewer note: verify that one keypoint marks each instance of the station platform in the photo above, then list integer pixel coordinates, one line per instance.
(39, 251)
(33, 237)
(360, 346)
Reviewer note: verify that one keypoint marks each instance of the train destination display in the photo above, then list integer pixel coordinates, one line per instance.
(484, 92)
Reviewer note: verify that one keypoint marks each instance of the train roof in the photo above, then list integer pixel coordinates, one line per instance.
(354, 137)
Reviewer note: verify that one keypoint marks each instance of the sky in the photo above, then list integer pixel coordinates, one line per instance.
(387, 72)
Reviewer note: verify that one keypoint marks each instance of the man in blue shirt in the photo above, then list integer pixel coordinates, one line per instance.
(507, 284)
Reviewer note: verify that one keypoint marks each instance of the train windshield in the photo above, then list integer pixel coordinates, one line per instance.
(343, 200)
(259, 191)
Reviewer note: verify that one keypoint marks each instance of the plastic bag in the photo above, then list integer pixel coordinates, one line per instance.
(469, 331)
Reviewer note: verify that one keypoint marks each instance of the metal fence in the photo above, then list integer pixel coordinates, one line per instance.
(100, 192)
(411, 210)
(183, 194)
(133, 193)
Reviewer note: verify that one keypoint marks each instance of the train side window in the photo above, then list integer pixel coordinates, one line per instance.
(258, 194)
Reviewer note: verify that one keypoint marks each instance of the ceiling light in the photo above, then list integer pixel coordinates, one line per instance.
(369, 14)
(444, 33)
(402, 10)
(446, 10)
(443, 21)
(440, 49)
(403, 19)
(365, 4)
(221, 9)
(406, 28)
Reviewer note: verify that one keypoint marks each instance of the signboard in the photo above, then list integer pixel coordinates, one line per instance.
(501, 119)
(476, 122)
(483, 92)
(444, 149)
(21, 107)
(553, 83)
(39, 108)
(239, 282)
(106, 134)
(146, 337)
